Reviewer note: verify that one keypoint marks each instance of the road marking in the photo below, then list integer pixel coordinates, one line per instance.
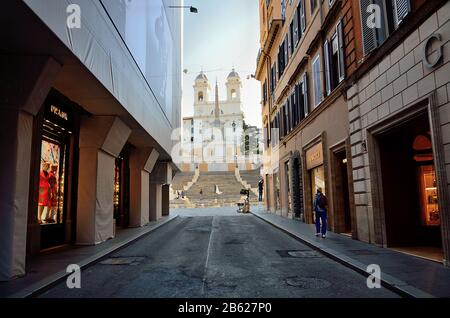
(207, 256)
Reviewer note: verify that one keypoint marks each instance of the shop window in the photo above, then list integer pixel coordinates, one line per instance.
(429, 196)
(51, 181)
(53, 170)
(427, 180)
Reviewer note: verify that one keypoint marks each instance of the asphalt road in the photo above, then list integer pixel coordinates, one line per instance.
(226, 255)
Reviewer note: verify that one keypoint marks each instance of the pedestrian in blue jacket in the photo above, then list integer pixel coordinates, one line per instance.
(320, 208)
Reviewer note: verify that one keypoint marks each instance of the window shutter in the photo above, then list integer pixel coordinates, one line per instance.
(401, 10)
(368, 34)
(286, 122)
(296, 37)
(290, 44)
(286, 51)
(303, 15)
(305, 94)
(291, 38)
(341, 51)
(326, 48)
(317, 87)
(294, 105)
(289, 114)
(299, 19)
(300, 101)
(294, 111)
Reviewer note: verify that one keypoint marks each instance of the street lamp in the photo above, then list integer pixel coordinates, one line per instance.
(191, 9)
(235, 144)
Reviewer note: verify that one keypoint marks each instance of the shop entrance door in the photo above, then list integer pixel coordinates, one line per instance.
(342, 197)
(410, 191)
(297, 189)
(122, 188)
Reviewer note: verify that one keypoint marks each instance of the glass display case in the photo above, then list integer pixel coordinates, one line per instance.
(429, 196)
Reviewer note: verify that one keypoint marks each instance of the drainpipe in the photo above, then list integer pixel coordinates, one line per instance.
(322, 53)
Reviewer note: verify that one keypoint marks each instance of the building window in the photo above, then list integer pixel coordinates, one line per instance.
(316, 81)
(273, 79)
(286, 50)
(302, 17)
(283, 10)
(313, 6)
(296, 28)
(294, 115)
(288, 116)
(392, 13)
(302, 98)
(200, 97)
(282, 56)
(334, 60)
(291, 38)
(233, 94)
(264, 92)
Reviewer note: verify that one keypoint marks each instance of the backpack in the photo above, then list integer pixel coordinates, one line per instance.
(320, 203)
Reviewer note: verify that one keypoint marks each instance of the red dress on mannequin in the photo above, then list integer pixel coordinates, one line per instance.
(53, 187)
(44, 189)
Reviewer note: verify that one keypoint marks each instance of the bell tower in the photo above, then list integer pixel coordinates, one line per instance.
(234, 86)
(201, 89)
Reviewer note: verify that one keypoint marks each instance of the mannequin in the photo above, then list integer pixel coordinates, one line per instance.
(44, 191)
(53, 202)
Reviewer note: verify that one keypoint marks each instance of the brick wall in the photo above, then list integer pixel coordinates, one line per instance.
(350, 20)
(399, 81)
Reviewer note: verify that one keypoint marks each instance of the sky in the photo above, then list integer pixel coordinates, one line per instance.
(224, 34)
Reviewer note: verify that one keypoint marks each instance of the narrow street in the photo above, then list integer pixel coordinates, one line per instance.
(218, 253)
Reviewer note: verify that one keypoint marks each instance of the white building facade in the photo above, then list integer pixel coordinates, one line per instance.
(212, 138)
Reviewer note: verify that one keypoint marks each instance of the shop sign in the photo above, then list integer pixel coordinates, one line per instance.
(314, 156)
(58, 112)
(59, 115)
(426, 59)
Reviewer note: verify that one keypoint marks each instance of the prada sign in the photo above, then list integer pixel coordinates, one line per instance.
(314, 156)
(60, 115)
(58, 112)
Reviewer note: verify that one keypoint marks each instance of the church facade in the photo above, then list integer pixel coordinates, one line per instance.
(212, 139)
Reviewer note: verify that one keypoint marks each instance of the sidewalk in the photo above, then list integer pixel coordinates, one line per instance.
(408, 275)
(48, 269)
